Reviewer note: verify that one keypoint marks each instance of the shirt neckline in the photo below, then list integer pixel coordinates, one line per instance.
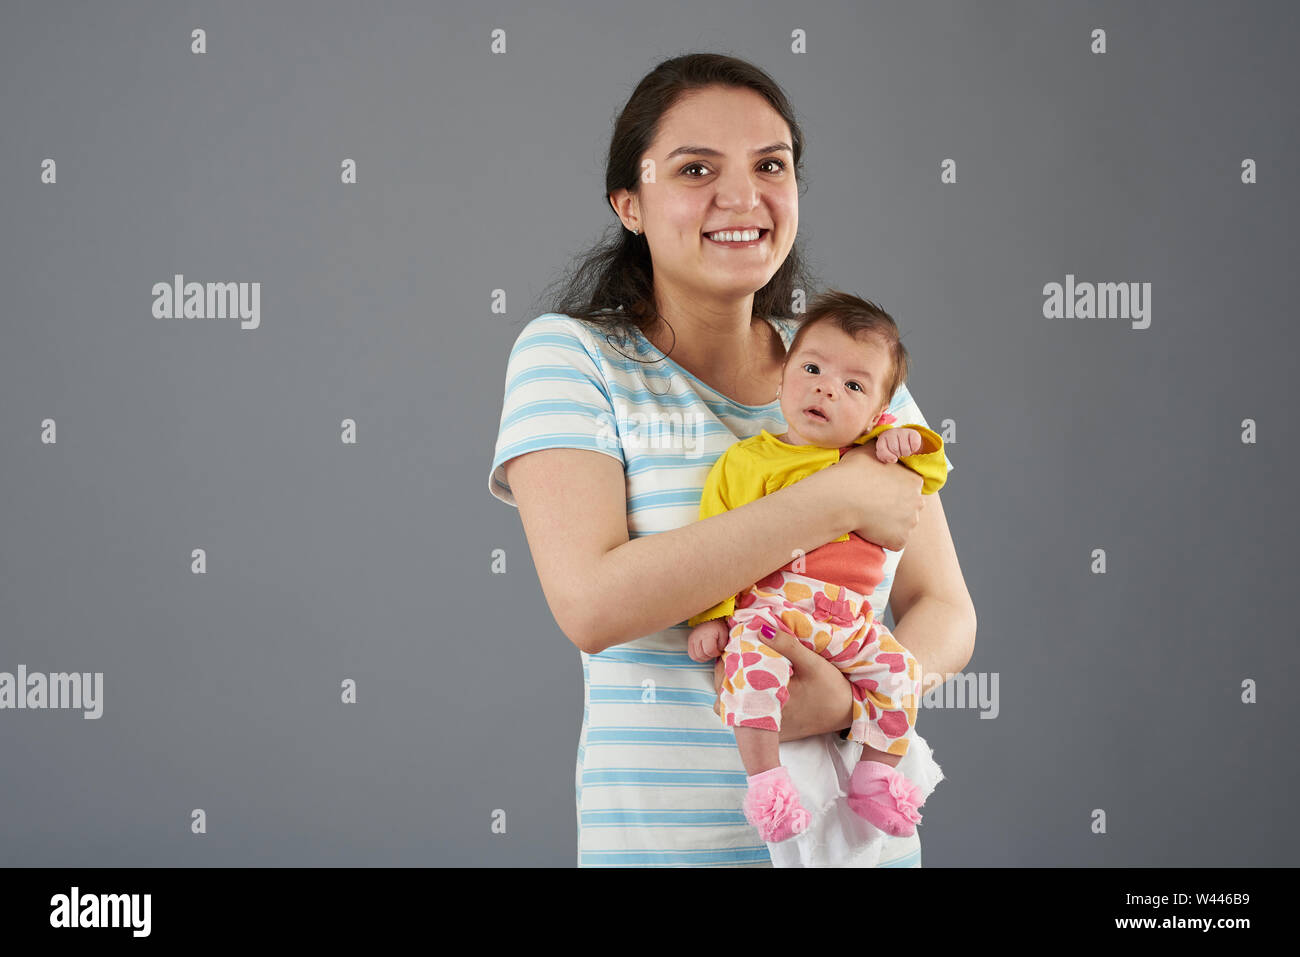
(672, 364)
(768, 436)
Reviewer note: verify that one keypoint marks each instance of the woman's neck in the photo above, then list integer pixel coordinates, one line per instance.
(744, 365)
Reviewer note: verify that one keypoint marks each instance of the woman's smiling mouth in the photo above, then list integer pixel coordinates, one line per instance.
(737, 238)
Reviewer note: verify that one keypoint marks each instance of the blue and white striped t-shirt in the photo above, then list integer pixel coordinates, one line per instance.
(659, 780)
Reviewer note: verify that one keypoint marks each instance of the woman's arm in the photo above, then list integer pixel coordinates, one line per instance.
(934, 617)
(605, 589)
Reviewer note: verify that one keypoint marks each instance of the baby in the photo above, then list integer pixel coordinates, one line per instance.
(840, 373)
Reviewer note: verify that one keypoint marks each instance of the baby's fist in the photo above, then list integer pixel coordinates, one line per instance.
(708, 640)
(893, 444)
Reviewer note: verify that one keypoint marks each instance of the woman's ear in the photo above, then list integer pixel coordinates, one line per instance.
(623, 202)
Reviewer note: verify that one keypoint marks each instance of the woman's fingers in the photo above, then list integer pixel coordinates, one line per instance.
(785, 644)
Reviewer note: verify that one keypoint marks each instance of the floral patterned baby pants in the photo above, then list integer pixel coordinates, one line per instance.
(838, 624)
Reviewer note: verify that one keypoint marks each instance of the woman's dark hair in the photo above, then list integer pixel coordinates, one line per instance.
(612, 284)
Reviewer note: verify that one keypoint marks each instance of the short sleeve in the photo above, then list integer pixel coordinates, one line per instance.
(904, 409)
(714, 498)
(556, 397)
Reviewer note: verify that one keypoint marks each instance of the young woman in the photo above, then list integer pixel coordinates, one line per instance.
(666, 346)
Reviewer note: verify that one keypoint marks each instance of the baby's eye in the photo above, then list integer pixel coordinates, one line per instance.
(814, 366)
(853, 384)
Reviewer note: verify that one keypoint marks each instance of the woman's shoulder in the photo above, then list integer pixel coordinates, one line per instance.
(556, 323)
(554, 338)
(902, 403)
(786, 326)
(595, 337)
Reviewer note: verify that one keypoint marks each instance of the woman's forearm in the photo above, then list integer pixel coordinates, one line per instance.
(940, 636)
(652, 583)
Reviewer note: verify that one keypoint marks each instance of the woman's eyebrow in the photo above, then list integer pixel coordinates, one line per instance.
(706, 151)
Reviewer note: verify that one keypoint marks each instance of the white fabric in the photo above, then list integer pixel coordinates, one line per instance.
(820, 767)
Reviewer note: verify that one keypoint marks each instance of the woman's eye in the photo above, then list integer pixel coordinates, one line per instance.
(685, 169)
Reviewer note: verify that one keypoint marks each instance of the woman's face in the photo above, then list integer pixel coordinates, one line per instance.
(722, 160)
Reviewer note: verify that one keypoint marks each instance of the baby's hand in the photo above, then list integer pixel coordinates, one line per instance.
(893, 444)
(708, 640)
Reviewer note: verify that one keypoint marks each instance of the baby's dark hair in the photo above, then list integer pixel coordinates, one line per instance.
(863, 320)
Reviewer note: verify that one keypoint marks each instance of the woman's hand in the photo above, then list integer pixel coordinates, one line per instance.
(821, 698)
(887, 497)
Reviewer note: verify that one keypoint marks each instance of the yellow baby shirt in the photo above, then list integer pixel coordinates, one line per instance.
(761, 464)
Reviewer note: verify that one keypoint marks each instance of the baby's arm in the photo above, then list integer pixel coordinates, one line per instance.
(708, 639)
(893, 444)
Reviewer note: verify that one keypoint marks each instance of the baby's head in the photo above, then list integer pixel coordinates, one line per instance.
(846, 360)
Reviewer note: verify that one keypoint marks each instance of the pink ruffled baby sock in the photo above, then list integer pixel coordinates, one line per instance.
(772, 805)
(885, 797)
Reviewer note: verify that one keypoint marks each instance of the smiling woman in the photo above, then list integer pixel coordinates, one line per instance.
(663, 319)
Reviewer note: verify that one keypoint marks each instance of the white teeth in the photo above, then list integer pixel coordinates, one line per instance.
(735, 236)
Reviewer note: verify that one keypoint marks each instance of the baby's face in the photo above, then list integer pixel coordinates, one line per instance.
(838, 375)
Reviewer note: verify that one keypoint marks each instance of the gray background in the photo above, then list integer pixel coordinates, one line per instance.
(481, 171)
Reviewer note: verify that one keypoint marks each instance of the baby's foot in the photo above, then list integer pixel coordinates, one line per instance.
(885, 797)
(772, 805)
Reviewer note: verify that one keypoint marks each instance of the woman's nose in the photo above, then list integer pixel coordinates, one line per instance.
(737, 192)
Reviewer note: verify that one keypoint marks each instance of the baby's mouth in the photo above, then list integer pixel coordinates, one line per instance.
(815, 414)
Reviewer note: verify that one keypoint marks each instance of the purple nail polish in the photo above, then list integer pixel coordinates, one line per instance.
(768, 632)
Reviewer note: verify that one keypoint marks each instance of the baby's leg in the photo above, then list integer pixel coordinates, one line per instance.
(884, 757)
(771, 804)
(755, 679)
(754, 687)
(886, 680)
(759, 750)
